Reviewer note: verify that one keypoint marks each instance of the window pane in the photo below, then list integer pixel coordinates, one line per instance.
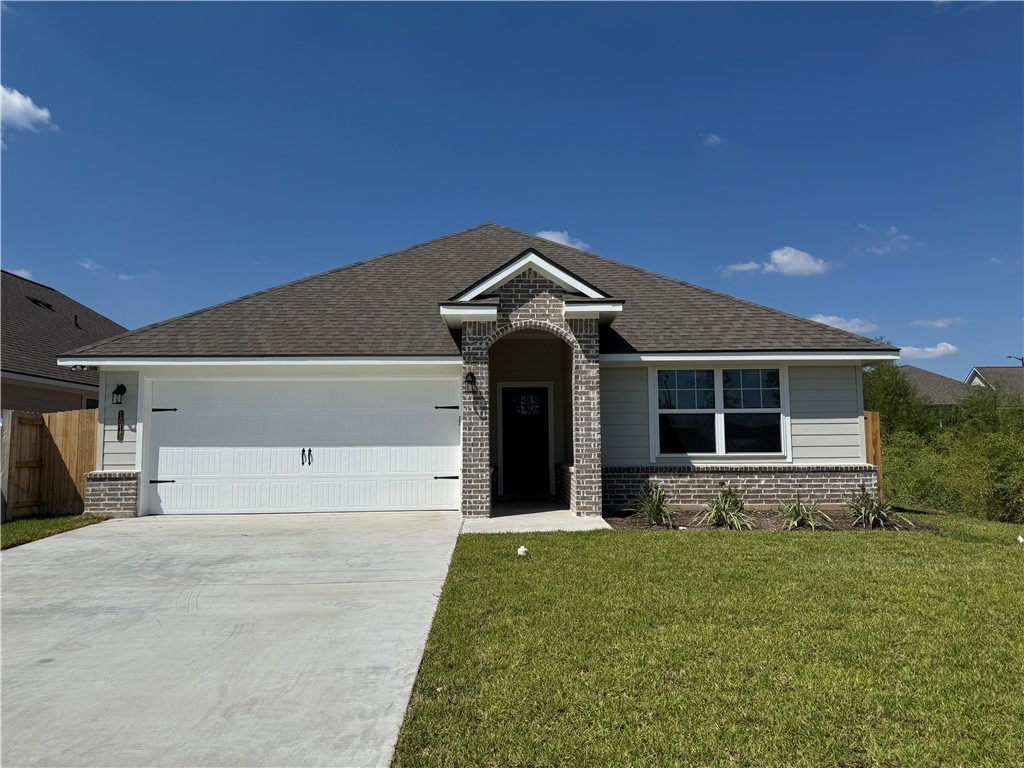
(733, 398)
(751, 378)
(753, 433)
(770, 378)
(770, 398)
(684, 379)
(704, 379)
(666, 379)
(705, 398)
(731, 378)
(666, 399)
(751, 398)
(685, 399)
(686, 433)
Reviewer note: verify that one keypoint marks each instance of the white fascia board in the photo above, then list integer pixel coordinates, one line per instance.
(140, 362)
(780, 357)
(606, 313)
(455, 314)
(533, 259)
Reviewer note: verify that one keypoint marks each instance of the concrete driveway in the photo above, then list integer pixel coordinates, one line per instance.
(256, 640)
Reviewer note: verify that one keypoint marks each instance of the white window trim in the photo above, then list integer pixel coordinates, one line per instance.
(786, 456)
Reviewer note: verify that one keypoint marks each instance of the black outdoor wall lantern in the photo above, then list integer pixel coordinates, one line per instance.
(117, 396)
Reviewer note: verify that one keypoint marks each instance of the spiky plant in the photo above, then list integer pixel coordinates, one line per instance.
(869, 512)
(726, 511)
(800, 514)
(651, 502)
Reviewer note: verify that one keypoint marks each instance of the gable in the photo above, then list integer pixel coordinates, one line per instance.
(527, 260)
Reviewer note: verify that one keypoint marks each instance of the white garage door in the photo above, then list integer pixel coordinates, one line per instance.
(303, 446)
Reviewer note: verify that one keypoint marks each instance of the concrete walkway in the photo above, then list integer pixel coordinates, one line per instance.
(529, 517)
(249, 640)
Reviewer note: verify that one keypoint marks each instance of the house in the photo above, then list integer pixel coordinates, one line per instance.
(37, 324)
(484, 365)
(937, 390)
(1005, 378)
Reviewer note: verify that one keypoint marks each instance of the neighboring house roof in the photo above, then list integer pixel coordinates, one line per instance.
(936, 389)
(37, 323)
(389, 305)
(1008, 378)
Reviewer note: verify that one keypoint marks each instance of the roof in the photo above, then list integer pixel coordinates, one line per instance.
(1008, 378)
(936, 389)
(38, 323)
(388, 306)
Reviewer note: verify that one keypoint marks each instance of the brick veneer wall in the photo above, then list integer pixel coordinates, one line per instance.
(531, 301)
(112, 493)
(758, 486)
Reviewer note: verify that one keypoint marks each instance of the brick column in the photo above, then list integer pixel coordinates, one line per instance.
(586, 419)
(112, 493)
(476, 421)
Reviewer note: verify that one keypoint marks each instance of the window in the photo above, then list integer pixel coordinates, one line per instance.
(720, 411)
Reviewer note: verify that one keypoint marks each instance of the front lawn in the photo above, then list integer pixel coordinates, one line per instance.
(722, 648)
(31, 528)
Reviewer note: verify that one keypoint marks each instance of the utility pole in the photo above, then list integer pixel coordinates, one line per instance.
(1014, 357)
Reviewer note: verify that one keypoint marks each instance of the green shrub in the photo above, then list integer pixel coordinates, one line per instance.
(651, 502)
(804, 515)
(871, 512)
(726, 511)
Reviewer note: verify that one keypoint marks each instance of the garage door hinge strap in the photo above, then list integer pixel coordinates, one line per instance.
(446, 407)
(164, 409)
(446, 477)
(154, 482)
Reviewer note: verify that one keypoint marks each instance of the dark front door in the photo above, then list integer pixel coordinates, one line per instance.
(524, 443)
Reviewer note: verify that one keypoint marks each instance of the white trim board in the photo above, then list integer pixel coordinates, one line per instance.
(548, 269)
(748, 357)
(145, 362)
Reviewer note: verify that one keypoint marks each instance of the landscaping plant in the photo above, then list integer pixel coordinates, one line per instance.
(651, 502)
(869, 511)
(804, 515)
(726, 511)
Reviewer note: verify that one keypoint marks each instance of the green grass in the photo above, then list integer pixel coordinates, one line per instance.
(706, 648)
(31, 528)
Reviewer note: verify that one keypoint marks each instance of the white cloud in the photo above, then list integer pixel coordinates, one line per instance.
(884, 241)
(787, 261)
(26, 273)
(710, 139)
(942, 349)
(792, 262)
(994, 260)
(852, 324)
(19, 111)
(563, 237)
(89, 265)
(941, 322)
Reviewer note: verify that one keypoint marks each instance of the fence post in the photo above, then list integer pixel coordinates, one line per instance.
(873, 443)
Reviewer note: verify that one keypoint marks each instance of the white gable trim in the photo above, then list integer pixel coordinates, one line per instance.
(531, 258)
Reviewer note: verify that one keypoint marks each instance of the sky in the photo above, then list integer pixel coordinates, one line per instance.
(860, 163)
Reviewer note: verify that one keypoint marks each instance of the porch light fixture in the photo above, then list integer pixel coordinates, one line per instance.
(117, 396)
(471, 378)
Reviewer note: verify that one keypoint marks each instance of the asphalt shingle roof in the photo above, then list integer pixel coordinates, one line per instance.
(388, 305)
(1009, 378)
(37, 323)
(936, 389)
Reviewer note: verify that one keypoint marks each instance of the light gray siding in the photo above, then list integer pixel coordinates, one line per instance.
(826, 409)
(113, 454)
(827, 412)
(625, 420)
(26, 397)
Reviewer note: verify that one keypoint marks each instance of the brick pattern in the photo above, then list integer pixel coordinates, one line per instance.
(530, 300)
(691, 488)
(112, 494)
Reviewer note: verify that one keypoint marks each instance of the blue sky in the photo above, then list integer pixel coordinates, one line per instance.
(863, 162)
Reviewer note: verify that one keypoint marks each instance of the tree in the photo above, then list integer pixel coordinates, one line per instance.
(901, 408)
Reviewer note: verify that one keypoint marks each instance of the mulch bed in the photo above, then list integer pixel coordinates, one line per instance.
(762, 520)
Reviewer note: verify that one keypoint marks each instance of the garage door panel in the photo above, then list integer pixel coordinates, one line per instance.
(237, 446)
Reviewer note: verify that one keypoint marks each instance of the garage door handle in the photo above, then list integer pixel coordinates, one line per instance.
(155, 482)
(446, 407)
(303, 457)
(310, 457)
(446, 477)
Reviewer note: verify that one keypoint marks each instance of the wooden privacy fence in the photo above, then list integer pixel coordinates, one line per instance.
(44, 458)
(873, 441)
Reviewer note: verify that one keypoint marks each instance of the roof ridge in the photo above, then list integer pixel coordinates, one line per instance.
(706, 290)
(34, 282)
(272, 288)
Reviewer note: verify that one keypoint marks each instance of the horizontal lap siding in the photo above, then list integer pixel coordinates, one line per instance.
(827, 414)
(625, 421)
(118, 455)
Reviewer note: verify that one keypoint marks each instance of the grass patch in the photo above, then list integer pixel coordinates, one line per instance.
(31, 528)
(726, 648)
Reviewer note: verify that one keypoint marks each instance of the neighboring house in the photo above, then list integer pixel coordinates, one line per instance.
(938, 390)
(1005, 378)
(36, 324)
(488, 364)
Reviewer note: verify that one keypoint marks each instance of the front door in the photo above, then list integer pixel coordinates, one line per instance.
(525, 456)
